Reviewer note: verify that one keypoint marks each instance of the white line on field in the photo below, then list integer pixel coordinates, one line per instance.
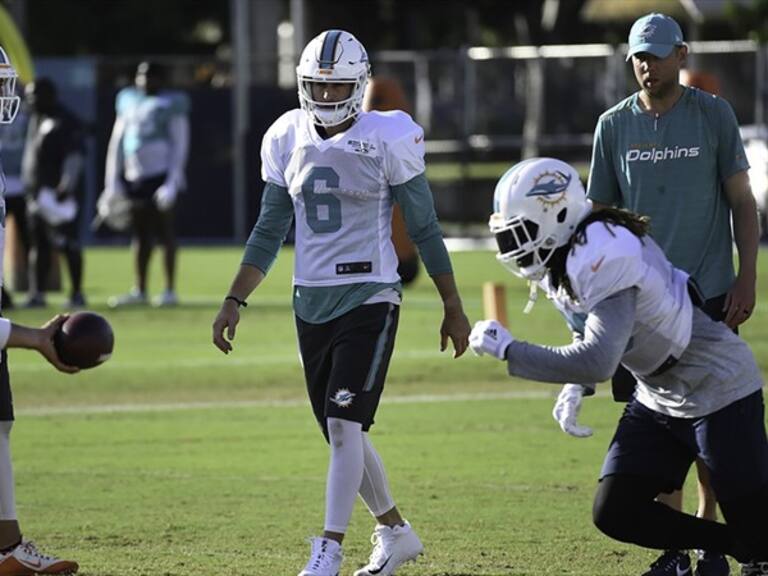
(178, 406)
(218, 360)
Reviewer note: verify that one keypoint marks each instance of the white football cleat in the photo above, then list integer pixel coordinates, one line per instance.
(167, 299)
(392, 547)
(325, 559)
(27, 560)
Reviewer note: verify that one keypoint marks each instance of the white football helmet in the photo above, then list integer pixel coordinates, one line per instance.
(333, 56)
(9, 100)
(537, 205)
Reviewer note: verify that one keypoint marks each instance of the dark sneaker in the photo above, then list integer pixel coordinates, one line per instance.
(711, 564)
(754, 569)
(77, 300)
(671, 563)
(35, 301)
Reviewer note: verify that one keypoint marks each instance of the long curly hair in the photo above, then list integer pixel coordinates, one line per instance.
(635, 223)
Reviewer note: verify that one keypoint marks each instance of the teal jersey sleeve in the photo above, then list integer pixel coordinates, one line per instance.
(731, 158)
(415, 200)
(603, 186)
(270, 229)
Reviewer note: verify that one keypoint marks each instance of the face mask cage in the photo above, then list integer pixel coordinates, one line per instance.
(328, 114)
(521, 250)
(9, 101)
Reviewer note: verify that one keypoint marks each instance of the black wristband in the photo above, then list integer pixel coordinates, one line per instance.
(240, 303)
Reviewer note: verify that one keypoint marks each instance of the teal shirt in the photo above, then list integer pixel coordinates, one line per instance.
(672, 169)
(148, 116)
(322, 304)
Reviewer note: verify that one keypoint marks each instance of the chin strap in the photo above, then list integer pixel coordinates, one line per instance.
(533, 294)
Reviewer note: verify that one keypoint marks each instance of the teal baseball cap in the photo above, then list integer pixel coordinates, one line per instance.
(656, 34)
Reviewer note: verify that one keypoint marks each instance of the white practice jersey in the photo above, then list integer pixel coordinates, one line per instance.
(340, 188)
(613, 259)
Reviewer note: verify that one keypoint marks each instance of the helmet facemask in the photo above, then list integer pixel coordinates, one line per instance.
(9, 100)
(331, 113)
(521, 250)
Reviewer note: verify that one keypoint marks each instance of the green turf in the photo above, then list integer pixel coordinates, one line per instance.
(173, 459)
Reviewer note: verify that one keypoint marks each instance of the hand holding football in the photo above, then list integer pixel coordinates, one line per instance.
(84, 340)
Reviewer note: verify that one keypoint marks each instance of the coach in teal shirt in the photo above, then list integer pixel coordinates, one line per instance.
(675, 154)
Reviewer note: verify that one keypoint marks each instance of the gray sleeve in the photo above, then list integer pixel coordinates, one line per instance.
(270, 229)
(415, 199)
(593, 358)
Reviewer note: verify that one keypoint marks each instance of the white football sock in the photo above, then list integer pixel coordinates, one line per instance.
(7, 494)
(345, 472)
(374, 489)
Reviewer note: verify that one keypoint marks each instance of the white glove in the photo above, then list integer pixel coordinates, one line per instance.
(114, 208)
(165, 196)
(488, 336)
(53, 210)
(566, 411)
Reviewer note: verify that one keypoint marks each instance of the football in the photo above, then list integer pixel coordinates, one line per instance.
(84, 340)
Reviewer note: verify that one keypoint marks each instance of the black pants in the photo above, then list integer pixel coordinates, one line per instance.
(626, 510)
(43, 238)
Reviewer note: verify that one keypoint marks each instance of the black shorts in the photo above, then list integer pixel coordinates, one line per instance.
(6, 398)
(144, 190)
(731, 442)
(346, 361)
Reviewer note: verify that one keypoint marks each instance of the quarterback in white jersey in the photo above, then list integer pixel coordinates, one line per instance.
(340, 189)
(17, 555)
(699, 388)
(337, 171)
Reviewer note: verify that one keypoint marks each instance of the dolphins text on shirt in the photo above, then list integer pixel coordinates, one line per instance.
(654, 155)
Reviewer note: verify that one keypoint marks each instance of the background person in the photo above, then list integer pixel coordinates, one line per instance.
(52, 173)
(383, 94)
(146, 160)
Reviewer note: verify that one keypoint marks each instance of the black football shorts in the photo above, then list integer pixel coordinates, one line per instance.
(346, 361)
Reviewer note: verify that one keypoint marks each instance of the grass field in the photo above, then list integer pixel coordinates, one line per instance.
(173, 459)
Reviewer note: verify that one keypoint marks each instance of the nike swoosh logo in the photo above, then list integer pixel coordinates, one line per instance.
(418, 138)
(380, 568)
(597, 264)
(31, 564)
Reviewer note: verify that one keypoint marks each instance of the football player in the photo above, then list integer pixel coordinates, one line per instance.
(18, 556)
(146, 159)
(699, 389)
(339, 170)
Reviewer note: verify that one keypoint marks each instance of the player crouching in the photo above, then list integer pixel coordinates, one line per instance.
(699, 391)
